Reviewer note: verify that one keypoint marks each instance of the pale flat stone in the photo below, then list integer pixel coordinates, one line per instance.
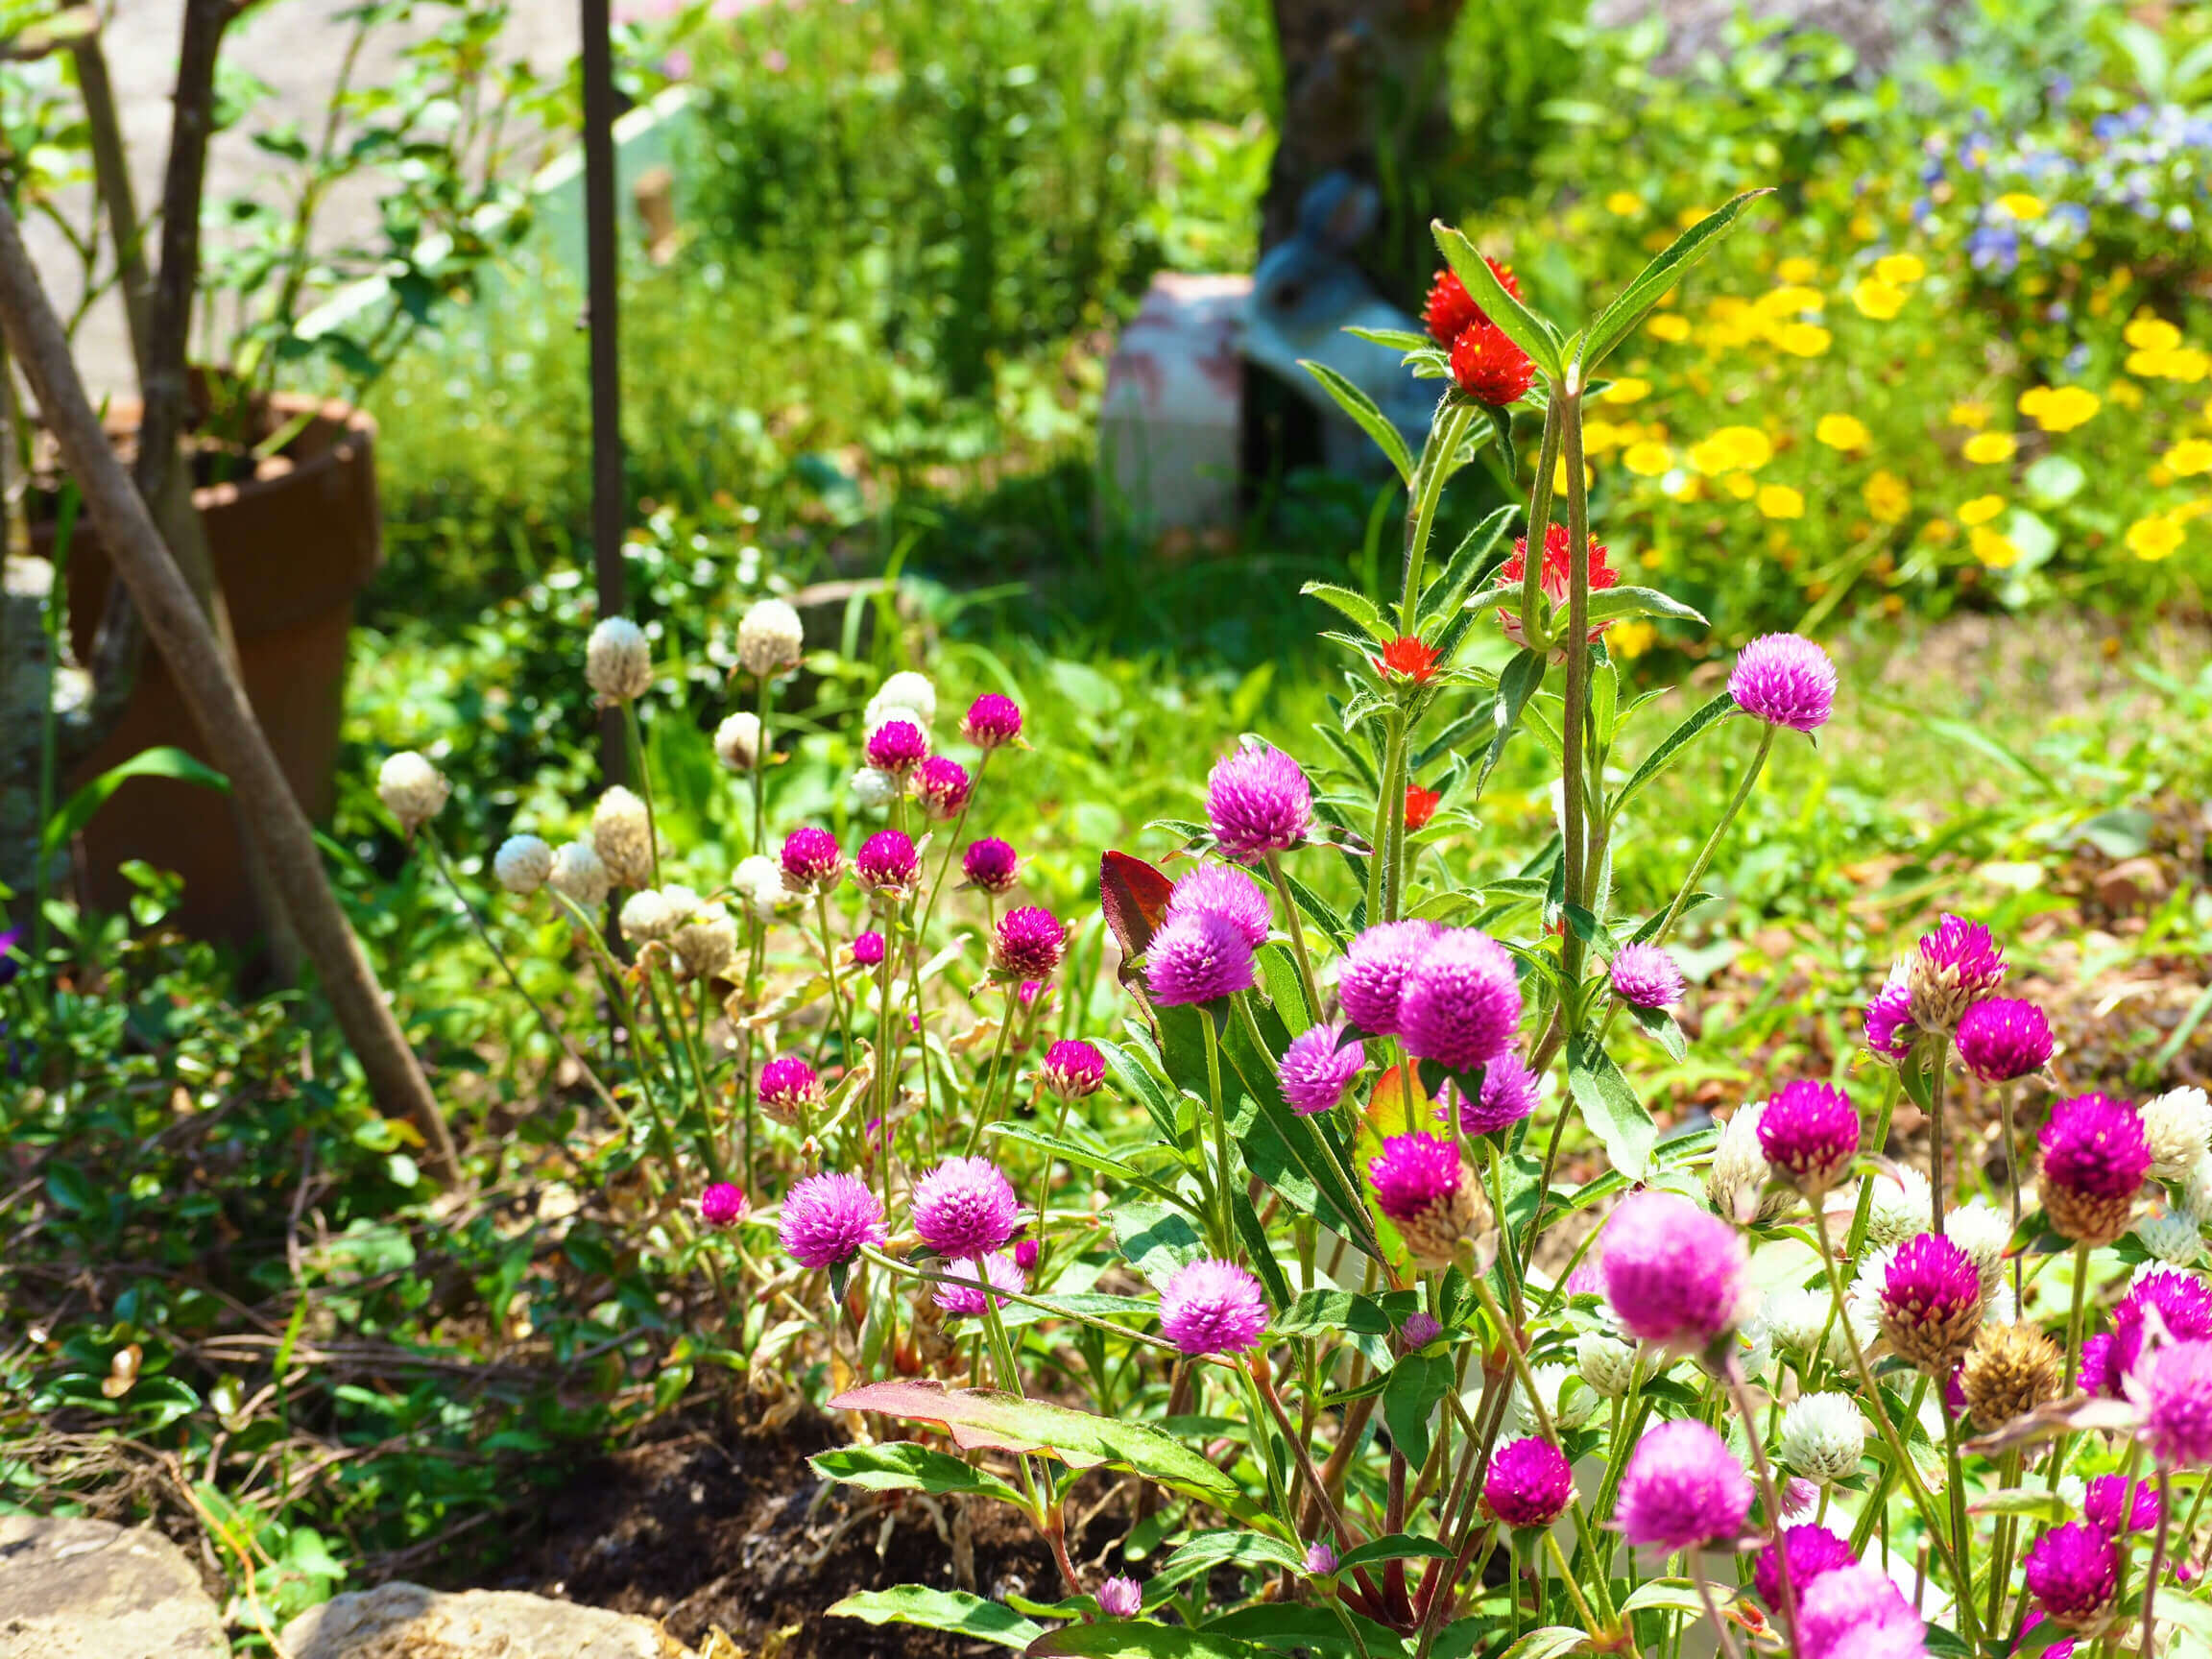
(407, 1621)
(90, 1590)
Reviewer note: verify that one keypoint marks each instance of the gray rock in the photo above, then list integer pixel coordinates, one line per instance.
(407, 1621)
(91, 1590)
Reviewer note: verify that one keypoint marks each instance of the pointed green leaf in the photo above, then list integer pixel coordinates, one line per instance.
(1635, 302)
(1671, 748)
(1397, 1546)
(1356, 606)
(1611, 1108)
(1369, 418)
(1520, 324)
(902, 1465)
(1550, 1643)
(1515, 687)
(1467, 564)
(1418, 1383)
(1617, 602)
(1396, 339)
(1128, 1639)
(954, 1611)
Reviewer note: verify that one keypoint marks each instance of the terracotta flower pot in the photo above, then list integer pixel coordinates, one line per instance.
(292, 546)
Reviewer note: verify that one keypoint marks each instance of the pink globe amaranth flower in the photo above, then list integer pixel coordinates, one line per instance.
(1683, 1489)
(1026, 1254)
(1027, 943)
(1120, 1597)
(1460, 1001)
(721, 1203)
(2174, 1388)
(1316, 1070)
(1033, 992)
(812, 860)
(1810, 1132)
(2099, 1374)
(2074, 1573)
(1955, 966)
(2057, 1650)
(1857, 1612)
(2114, 1504)
(2183, 1303)
(1320, 1559)
(1931, 1302)
(1645, 976)
(1212, 1306)
(787, 1085)
(1812, 1552)
(1373, 974)
(1530, 1483)
(897, 747)
(1258, 802)
(2004, 1038)
(2095, 1158)
(991, 721)
(966, 1207)
(1074, 1069)
(887, 863)
(989, 864)
(1227, 892)
(1783, 680)
(828, 1217)
(1798, 1496)
(1889, 1029)
(1004, 1272)
(1675, 1273)
(1418, 1332)
(867, 948)
(942, 786)
(1199, 958)
(1414, 1172)
(1508, 1094)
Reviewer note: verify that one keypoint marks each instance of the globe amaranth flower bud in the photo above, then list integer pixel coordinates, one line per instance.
(2004, 1038)
(1418, 1332)
(1197, 959)
(1813, 1550)
(412, 789)
(813, 862)
(1120, 1597)
(522, 864)
(721, 1203)
(867, 950)
(887, 864)
(1027, 943)
(1074, 1069)
(873, 790)
(1606, 1363)
(1955, 966)
(649, 915)
(2178, 1126)
(1460, 1001)
(1786, 680)
(942, 785)
(578, 876)
(991, 721)
(1823, 1437)
(1258, 802)
(1316, 1068)
(2174, 1387)
(829, 1219)
(1530, 1483)
(1931, 1303)
(1487, 366)
(1645, 976)
(622, 834)
(771, 640)
(788, 1089)
(1740, 1182)
(1212, 1307)
(2009, 1371)
(2074, 1575)
(705, 941)
(737, 742)
(1683, 1489)
(1810, 1132)
(1508, 1094)
(1371, 980)
(907, 693)
(1229, 894)
(989, 864)
(758, 883)
(1889, 1029)
(1001, 1271)
(1434, 1198)
(2116, 1504)
(617, 663)
(1674, 1275)
(897, 747)
(1320, 1559)
(2095, 1157)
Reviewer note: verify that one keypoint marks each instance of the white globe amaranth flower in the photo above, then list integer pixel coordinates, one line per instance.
(758, 883)
(1607, 1363)
(1825, 1437)
(1901, 1206)
(1566, 1394)
(1998, 1307)
(617, 663)
(649, 915)
(412, 789)
(522, 864)
(2174, 1238)
(1738, 1179)
(2196, 1191)
(737, 742)
(771, 640)
(706, 944)
(578, 875)
(1797, 1319)
(2179, 1125)
(1757, 1353)
(874, 790)
(905, 692)
(622, 835)
(1983, 1232)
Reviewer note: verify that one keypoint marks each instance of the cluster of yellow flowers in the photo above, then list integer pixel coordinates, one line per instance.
(2159, 354)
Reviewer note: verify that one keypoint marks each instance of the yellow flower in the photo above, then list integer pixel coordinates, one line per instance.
(1780, 501)
(1648, 460)
(2169, 363)
(1993, 549)
(2059, 408)
(1797, 271)
(1877, 298)
(1732, 449)
(1689, 216)
(1843, 432)
(1667, 325)
(2157, 536)
(1792, 299)
(2190, 457)
(1939, 532)
(1971, 416)
(1863, 228)
(2124, 394)
(1626, 390)
(1803, 339)
(1599, 436)
(2021, 205)
(1899, 268)
(1740, 485)
(1559, 475)
(1988, 449)
(1625, 204)
(2148, 333)
(1981, 510)
(1630, 638)
(1888, 497)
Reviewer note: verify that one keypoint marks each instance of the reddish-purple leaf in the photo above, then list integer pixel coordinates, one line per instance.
(1134, 896)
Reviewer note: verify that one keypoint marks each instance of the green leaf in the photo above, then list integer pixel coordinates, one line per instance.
(1356, 606)
(1662, 1027)
(1059, 1146)
(76, 811)
(1516, 321)
(1326, 1312)
(1617, 601)
(1369, 418)
(1675, 1595)
(1397, 1546)
(1155, 1237)
(1418, 1383)
(1611, 1108)
(1619, 318)
(1469, 560)
(954, 1611)
(1220, 1549)
(1396, 339)
(1136, 1082)
(902, 1466)
(1549, 1643)
(2044, 1505)
(1671, 747)
(1515, 687)
(1126, 1639)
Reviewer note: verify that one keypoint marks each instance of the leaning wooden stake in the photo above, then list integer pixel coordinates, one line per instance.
(179, 630)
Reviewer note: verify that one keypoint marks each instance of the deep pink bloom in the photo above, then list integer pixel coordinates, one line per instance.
(1786, 680)
(2094, 1145)
(1460, 1001)
(1810, 1132)
(2099, 1376)
(2173, 1386)
(1857, 1612)
(1683, 1489)
(1074, 1069)
(1120, 1597)
(1374, 972)
(786, 1085)
(721, 1203)
(942, 786)
(1812, 1552)
(1258, 802)
(1508, 1094)
(1227, 892)
(1930, 1299)
(1027, 943)
(887, 863)
(966, 1207)
(989, 864)
(1955, 966)
(2110, 1504)
(1889, 1029)
(2004, 1038)
(991, 721)
(2057, 1650)
(1320, 1559)
(1530, 1483)
(1026, 1254)
(897, 747)
(1003, 1272)
(812, 860)
(2074, 1573)
(1212, 1306)
(1315, 1072)
(1199, 958)
(1645, 976)
(1675, 1273)
(1414, 1172)
(828, 1217)
(1418, 1332)
(2184, 1306)
(867, 948)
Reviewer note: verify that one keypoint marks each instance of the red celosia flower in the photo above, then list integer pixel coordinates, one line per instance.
(1451, 310)
(1408, 659)
(1420, 806)
(1555, 577)
(1490, 368)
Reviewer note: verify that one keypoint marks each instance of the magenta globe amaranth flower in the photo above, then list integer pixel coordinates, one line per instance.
(1074, 1069)
(1027, 943)
(1508, 1094)
(1810, 1133)
(2057, 1650)
(989, 864)
(1003, 1272)
(2004, 1038)
(1786, 680)
(2074, 1575)
(1683, 1489)
(1212, 1306)
(721, 1203)
(1197, 959)
(1530, 1483)
(2174, 1389)
(1374, 970)
(1460, 1001)
(1675, 1274)
(812, 860)
(942, 786)
(1645, 976)
(965, 1207)
(1320, 1559)
(897, 747)
(827, 1218)
(1889, 1029)
(1258, 802)
(2115, 1503)
(1857, 1612)
(1813, 1550)
(1227, 892)
(2095, 1158)
(867, 948)
(1120, 1597)
(1026, 1254)
(1317, 1067)
(788, 1088)
(887, 864)
(1931, 1302)
(991, 721)
(1955, 966)
(1418, 1332)
(1432, 1197)
(2184, 1303)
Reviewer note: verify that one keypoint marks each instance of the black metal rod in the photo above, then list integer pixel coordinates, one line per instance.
(600, 265)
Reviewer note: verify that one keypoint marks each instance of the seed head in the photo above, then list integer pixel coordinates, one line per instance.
(617, 663)
(622, 834)
(771, 640)
(757, 882)
(906, 692)
(737, 742)
(578, 876)
(412, 789)
(522, 864)
(2009, 1371)
(650, 914)
(2179, 1125)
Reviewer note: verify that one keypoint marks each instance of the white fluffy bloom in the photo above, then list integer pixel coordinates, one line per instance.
(1998, 1306)
(758, 881)
(1796, 1319)
(1825, 1437)
(1983, 1232)
(737, 742)
(412, 789)
(651, 914)
(872, 789)
(577, 874)
(1757, 1354)
(1737, 1180)
(617, 663)
(706, 944)
(907, 693)
(2176, 1240)
(2197, 1194)
(622, 835)
(1566, 1394)
(522, 864)
(771, 638)
(2179, 1125)
(1901, 1205)
(1607, 1363)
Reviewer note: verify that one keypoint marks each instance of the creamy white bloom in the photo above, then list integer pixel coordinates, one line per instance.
(578, 875)
(905, 692)
(412, 789)
(622, 835)
(2176, 1240)
(758, 884)
(1983, 1232)
(873, 788)
(649, 915)
(1796, 1319)
(617, 663)
(771, 640)
(522, 864)
(2197, 1194)
(1901, 1205)
(737, 742)
(706, 944)
(1566, 1394)
(1825, 1437)
(1606, 1362)
(1737, 1180)
(2179, 1125)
